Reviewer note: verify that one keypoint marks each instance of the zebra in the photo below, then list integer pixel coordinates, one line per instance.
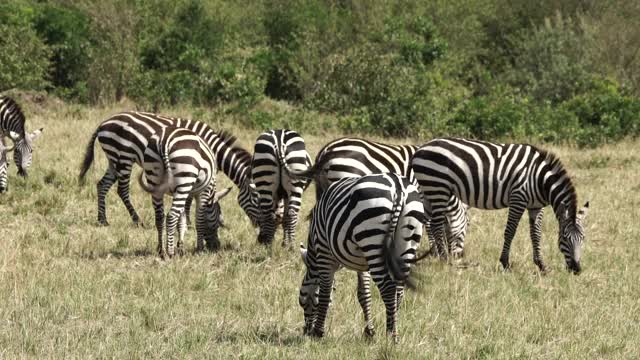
(274, 150)
(124, 138)
(356, 157)
(177, 161)
(495, 176)
(4, 150)
(371, 224)
(12, 123)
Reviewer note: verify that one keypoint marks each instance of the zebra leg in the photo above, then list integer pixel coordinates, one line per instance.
(123, 192)
(389, 294)
(201, 226)
(290, 221)
(437, 232)
(535, 229)
(364, 298)
(172, 221)
(515, 213)
(103, 186)
(267, 221)
(158, 209)
(324, 299)
(182, 229)
(187, 208)
(399, 295)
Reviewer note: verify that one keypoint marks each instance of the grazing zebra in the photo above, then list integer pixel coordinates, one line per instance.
(496, 176)
(355, 157)
(12, 122)
(273, 151)
(177, 161)
(124, 138)
(370, 224)
(4, 149)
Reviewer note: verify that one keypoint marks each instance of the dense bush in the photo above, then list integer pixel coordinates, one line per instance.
(497, 69)
(24, 57)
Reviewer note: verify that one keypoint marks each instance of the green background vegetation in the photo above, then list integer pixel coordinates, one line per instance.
(543, 71)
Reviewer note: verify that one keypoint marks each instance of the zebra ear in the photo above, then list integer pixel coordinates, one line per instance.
(303, 253)
(220, 194)
(36, 134)
(14, 136)
(583, 212)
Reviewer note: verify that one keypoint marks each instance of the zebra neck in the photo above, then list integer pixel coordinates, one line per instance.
(234, 164)
(562, 195)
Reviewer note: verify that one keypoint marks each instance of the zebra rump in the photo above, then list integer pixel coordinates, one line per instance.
(372, 225)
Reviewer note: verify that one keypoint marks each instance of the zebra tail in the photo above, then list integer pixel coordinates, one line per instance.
(88, 157)
(309, 173)
(394, 261)
(168, 180)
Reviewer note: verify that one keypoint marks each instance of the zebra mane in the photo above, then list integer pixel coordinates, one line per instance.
(12, 106)
(555, 165)
(230, 141)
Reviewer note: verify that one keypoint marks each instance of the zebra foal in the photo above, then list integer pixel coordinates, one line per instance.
(371, 224)
(177, 161)
(496, 176)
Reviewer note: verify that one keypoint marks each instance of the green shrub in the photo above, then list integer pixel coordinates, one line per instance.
(550, 62)
(67, 31)
(24, 58)
(503, 114)
(605, 114)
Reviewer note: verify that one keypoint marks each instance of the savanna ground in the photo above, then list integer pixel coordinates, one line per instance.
(69, 288)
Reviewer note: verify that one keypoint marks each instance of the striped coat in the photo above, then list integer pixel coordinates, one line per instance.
(494, 176)
(371, 224)
(178, 162)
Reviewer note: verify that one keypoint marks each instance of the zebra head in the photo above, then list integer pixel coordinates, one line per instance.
(571, 236)
(213, 218)
(22, 156)
(3, 164)
(309, 293)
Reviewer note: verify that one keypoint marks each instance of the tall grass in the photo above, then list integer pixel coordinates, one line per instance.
(69, 288)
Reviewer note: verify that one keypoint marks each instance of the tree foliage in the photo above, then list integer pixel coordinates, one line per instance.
(538, 71)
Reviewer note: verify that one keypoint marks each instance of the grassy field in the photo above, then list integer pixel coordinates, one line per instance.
(69, 288)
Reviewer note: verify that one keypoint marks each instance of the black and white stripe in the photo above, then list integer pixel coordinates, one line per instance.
(124, 138)
(368, 224)
(495, 176)
(12, 123)
(4, 164)
(274, 150)
(356, 157)
(178, 162)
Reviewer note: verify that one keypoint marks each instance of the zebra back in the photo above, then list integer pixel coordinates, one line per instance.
(11, 117)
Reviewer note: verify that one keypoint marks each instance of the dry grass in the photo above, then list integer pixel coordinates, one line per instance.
(69, 288)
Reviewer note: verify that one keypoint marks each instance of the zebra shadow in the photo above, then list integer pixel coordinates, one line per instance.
(118, 254)
(264, 336)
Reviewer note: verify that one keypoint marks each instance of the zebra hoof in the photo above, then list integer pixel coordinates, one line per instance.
(369, 332)
(213, 247)
(316, 333)
(393, 336)
(180, 252)
(103, 222)
(506, 266)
